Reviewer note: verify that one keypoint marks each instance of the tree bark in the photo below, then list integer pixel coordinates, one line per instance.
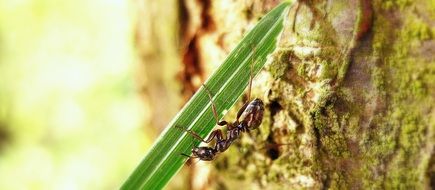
(156, 36)
(349, 94)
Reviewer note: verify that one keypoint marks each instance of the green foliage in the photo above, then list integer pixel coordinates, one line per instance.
(226, 84)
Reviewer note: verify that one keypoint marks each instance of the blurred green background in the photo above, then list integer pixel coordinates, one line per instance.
(70, 113)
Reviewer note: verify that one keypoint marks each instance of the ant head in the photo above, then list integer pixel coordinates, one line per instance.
(253, 114)
(204, 153)
(195, 151)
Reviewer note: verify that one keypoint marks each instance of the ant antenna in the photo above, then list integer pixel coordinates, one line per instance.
(185, 155)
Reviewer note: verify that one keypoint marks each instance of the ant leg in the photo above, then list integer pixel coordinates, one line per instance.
(225, 123)
(216, 133)
(196, 136)
(213, 106)
(242, 109)
(251, 74)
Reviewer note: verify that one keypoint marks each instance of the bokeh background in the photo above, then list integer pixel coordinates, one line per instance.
(72, 109)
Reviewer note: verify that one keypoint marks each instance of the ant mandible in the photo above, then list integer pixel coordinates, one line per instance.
(249, 117)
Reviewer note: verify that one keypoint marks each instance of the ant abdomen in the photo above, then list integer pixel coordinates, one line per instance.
(252, 116)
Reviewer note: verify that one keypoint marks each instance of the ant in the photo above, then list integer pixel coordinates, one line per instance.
(249, 117)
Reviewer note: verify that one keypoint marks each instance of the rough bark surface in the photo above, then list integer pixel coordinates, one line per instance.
(350, 94)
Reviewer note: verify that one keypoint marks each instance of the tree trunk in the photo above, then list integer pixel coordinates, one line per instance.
(350, 94)
(157, 51)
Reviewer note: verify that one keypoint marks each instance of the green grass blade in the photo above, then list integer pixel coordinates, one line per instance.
(226, 84)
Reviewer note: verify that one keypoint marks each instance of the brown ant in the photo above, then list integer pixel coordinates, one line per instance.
(249, 117)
